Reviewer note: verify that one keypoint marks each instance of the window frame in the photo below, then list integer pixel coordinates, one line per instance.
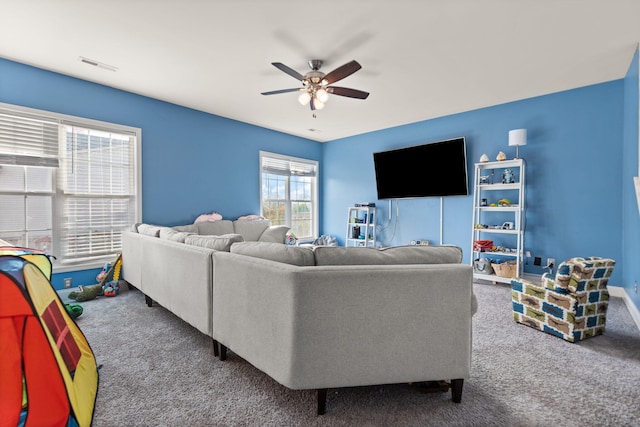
(65, 120)
(288, 201)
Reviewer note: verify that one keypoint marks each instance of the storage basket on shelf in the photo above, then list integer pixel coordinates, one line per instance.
(505, 269)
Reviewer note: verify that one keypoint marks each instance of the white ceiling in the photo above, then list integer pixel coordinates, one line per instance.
(421, 59)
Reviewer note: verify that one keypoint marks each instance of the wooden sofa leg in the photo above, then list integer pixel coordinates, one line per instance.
(148, 300)
(223, 352)
(456, 390)
(216, 351)
(322, 400)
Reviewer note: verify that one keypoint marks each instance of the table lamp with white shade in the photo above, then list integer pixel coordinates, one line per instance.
(517, 137)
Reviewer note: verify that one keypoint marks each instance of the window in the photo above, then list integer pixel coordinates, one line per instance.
(289, 194)
(68, 186)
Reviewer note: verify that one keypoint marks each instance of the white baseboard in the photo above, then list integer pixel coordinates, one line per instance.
(620, 292)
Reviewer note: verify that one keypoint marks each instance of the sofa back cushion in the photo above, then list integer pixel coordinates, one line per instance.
(215, 228)
(251, 230)
(295, 255)
(219, 243)
(338, 255)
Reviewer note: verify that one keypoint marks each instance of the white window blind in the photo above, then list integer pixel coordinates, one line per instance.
(68, 185)
(288, 166)
(98, 190)
(28, 139)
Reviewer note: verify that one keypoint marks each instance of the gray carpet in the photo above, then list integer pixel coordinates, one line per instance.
(159, 371)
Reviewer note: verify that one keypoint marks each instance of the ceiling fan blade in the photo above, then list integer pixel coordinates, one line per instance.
(293, 73)
(342, 72)
(274, 92)
(345, 91)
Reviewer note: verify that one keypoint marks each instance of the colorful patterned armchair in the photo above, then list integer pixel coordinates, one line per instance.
(572, 305)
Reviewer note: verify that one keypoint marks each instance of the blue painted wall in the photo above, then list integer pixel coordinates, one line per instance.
(577, 192)
(630, 216)
(574, 179)
(192, 162)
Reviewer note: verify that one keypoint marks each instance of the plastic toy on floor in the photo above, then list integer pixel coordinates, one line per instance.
(86, 293)
(108, 285)
(100, 277)
(111, 289)
(74, 310)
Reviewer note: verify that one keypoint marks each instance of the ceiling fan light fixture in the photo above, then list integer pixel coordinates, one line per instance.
(304, 98)
(322, 95)
(316, 87)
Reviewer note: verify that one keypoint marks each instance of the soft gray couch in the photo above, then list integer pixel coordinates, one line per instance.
(174, 266)
(341, 317)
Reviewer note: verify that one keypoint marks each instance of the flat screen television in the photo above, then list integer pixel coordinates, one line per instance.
(435, 169)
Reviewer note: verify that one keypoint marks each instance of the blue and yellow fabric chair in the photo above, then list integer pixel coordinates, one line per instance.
(572, 305)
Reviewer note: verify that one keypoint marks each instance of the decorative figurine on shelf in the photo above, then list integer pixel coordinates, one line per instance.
(484, 158)
(501, 156)
(507, 177)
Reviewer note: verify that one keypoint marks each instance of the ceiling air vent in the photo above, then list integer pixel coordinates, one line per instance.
(98, 64)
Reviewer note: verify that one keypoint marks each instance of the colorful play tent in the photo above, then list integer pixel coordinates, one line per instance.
(48, 372)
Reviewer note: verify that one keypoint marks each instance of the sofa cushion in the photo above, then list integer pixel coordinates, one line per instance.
(274, 234)
(279, 252)
(174, 235)
(215, 228)
(149, 229)
(188, 228)
(251, 230)
(339, 255)
(219, 243)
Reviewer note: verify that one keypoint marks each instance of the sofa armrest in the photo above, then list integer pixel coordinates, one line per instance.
(132, 247)
(179, 277)
(339, 326)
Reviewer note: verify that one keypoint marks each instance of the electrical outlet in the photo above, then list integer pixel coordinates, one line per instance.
(67, 282)
(551, 261)
(636, 286)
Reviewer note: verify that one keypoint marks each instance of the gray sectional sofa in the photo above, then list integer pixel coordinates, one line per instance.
(173, 266)
(315, 317)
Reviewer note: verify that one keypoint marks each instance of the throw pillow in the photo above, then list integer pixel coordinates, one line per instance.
(149, 230)
(219, 243)
(173, 235)
(189, 228)
(274, 234)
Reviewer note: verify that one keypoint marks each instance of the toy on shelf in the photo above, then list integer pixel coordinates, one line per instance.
(507, 177)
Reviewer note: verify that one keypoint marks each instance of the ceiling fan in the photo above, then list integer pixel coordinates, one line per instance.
(316, 85)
